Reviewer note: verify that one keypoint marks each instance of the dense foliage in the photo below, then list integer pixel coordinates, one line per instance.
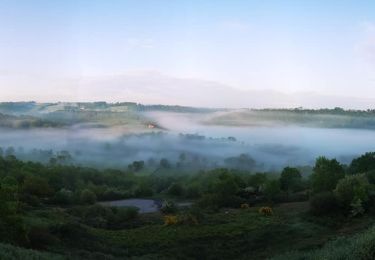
(62, 209)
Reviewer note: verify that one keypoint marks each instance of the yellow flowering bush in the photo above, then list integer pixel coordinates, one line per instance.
(170, 220)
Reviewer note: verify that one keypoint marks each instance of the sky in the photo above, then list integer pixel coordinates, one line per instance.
(202, 53)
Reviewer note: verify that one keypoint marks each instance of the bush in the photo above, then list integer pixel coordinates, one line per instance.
(209, 201)
(175, 190)
(112, 194)
(30, 200)
(40, 237)
(169, 207)
(36, 186)
(63, 197)
(87, 197)
(231, 201)
(125, 214)
(187, 219)
(324, 203)
(144, 190)
(272, 190)
(352, 189)
(170, 220)
(371, 176)
(98, 216)
(357, 208)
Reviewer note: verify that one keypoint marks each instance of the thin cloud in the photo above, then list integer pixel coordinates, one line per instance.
(151, 87)
(367, 45)
(140, 43)
(235, 26)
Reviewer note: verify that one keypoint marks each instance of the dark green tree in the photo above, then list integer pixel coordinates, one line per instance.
(36, 186)
(272, 189)
(164, 164)
(290, 179)
(363, 164)
(352, 189)
(136, 166)
(175, 190)
(326, 174)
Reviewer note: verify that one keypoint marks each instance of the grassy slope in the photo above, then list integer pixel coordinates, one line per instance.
(9, 252)
(237, 234)
(359, 246)
(228, 234)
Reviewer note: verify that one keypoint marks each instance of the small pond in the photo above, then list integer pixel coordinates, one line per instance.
(144, 205)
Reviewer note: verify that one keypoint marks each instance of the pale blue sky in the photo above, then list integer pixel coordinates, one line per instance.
(48, 48)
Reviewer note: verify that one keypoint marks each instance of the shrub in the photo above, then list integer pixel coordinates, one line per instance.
(40, 237)
(230, 201)
(192, 192)
(112, 194)
(357, 208)
(209, 201)
(88, 197)
(30, 200)
(9, 181)
(63, 197)
(351, 189)
(36, 186)
(170, 220)
(98, 216)
(272, 190)
(143, 190)
(125, 214)
(169, 207)
(371, 176)
(187, 219)
(324, 203)
(175, 190)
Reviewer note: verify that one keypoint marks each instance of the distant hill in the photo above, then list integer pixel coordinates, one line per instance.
(320, 118)
(102, 114)
(31, 114)
(25, 122)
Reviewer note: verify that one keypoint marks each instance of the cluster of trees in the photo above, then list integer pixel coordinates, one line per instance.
(334, 111)
(24, 122)
(337, 189)
(332, 188)
(323, 118)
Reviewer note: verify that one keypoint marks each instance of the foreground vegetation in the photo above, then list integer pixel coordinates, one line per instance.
(360, 246)
(234, 213)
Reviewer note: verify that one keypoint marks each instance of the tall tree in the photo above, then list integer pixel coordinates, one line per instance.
(290, 179)
(326, 174)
